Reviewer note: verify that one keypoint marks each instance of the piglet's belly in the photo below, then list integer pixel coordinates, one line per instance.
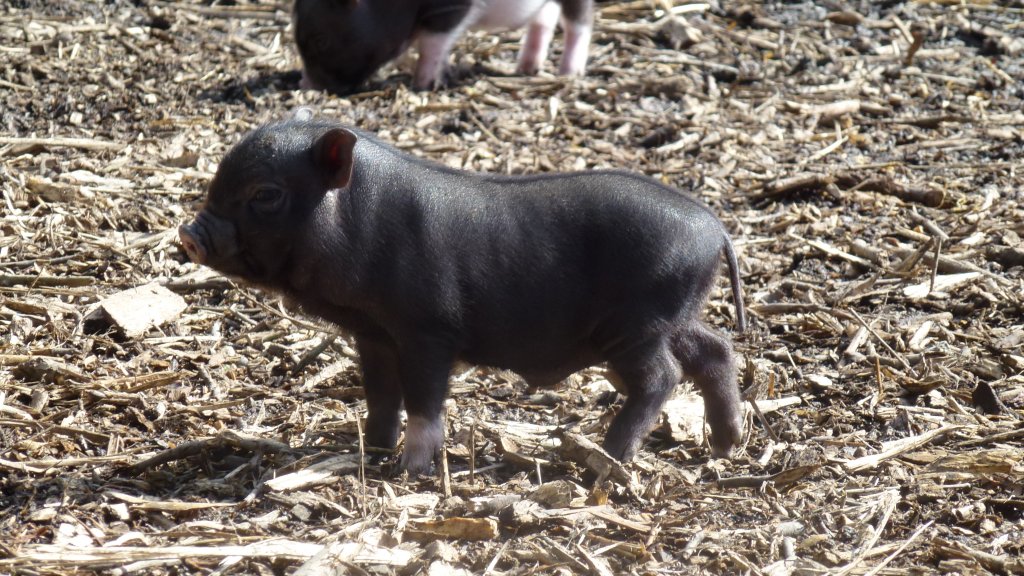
(538, 370)
(499, 14)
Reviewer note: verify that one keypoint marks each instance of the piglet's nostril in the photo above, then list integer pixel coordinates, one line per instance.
(191, 245)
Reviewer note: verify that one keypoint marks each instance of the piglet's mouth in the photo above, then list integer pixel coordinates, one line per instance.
(254, 272)
(241, 267)
(319, 80)
(211, 241)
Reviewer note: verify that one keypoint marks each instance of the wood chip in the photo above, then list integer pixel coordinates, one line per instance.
(136, 310)
(895, 448)
(453, 529)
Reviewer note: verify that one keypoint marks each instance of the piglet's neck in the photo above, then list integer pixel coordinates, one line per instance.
(321, 260)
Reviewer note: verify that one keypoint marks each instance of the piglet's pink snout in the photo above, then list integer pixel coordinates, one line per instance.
(192, 245)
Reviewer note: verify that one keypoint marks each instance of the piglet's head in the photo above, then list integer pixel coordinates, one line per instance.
(343, 42)
(260, 206)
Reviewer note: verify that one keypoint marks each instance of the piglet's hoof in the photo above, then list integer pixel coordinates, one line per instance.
(417, 464)
(393, 468)
(390, 468)
(382, 458)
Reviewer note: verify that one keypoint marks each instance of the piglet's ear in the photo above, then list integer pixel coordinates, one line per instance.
(333, 155)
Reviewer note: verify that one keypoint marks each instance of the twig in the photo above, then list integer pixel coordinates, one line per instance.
(310, 356)
(750, 393)
(928, 225)
(831, 251)
(231, 12)
(992, 438)
(28, 280)
(883, 343)
(446, 477)
(792, 185)
(895, 448)
(935, 264)
(938, 237)
(187, 285)
(833, 109)
(16, 359)
(225, 438)
(497, 556)
(911, 260)
(949, 265)
(22, 144)
(362, 467)
(1005, 563)
(826, 150)
(878, 378)
(69, 558)
(799, 308)
(917, 32)
(888, 186)
(783, 478)
(892, 498)
(472, 452)
(899, 550)
(45, 465)
(850, 181)
(13, 86)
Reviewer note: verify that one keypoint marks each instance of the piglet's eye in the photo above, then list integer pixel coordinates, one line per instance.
(267, 199)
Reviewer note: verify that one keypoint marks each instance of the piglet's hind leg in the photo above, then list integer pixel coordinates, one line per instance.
(649, 375)
(707, 358)
(577, 21)
(538, 38)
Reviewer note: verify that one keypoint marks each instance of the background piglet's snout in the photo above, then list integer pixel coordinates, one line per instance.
(343, 43)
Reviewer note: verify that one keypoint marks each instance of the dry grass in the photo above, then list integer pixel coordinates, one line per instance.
(873, 189)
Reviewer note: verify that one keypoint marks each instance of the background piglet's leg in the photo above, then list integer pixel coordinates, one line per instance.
(577, 22)
(538, 37)
(434, 48)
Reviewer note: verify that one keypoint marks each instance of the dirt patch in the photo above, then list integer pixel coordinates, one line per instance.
(865, 156)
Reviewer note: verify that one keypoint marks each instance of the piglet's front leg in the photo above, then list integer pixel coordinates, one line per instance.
(537, 38)
(382, 384)
(424, 366)
(577, 22)
(434, 49)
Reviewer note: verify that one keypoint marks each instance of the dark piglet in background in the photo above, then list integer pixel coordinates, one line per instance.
(426, 265)
(343, 42)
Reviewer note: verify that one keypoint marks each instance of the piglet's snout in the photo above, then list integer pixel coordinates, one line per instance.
(191, 243)
(209, 239)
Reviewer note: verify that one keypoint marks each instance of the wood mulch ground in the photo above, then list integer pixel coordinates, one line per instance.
(867, 157)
